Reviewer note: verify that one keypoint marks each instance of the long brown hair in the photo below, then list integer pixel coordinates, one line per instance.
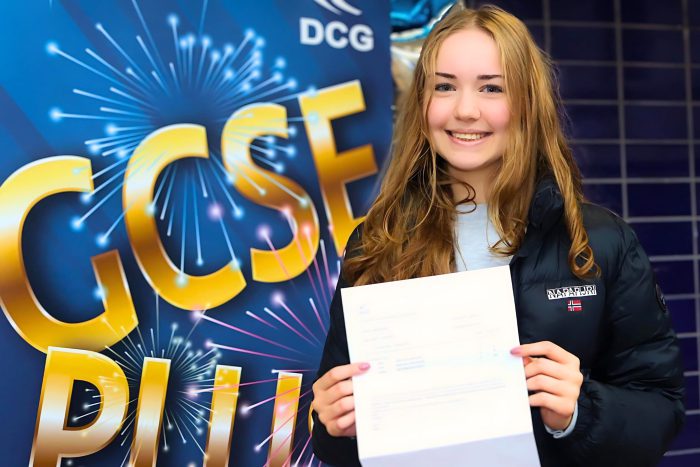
(409, 231)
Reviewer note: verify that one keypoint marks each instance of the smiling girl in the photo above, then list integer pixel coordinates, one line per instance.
(481, 175)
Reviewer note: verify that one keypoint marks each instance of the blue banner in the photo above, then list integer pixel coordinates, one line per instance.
(178, 183)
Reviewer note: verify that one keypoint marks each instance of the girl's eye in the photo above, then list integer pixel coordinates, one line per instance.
(492, 88)
(443, 87)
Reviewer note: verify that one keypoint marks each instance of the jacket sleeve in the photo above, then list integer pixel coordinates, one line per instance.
(341, 451)
(630, 407)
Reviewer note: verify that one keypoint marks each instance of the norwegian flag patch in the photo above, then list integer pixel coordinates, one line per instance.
(574, 305)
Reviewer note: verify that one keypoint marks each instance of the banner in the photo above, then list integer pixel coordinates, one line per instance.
(178, 182)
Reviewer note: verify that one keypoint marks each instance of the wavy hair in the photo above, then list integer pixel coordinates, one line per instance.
(409, 230)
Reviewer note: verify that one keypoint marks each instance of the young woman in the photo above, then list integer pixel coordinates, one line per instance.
(481, 175)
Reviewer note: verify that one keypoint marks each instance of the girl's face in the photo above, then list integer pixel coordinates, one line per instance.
(468, 112)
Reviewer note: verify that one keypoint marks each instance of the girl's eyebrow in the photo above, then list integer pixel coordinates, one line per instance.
(479, 77)
(488, 77)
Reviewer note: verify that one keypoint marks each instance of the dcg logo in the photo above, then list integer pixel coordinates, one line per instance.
(336, 34)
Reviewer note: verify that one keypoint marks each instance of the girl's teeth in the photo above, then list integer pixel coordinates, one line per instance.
(469, 136)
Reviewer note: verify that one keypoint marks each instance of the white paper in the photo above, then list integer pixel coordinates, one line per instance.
(443, 388)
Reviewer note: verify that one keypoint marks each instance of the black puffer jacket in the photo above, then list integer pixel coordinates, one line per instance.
(630, 405)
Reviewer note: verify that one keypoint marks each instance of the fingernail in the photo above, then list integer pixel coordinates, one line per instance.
(515, 351)
(364, 366)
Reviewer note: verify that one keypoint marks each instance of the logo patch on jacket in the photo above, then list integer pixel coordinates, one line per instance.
(661, 299)
(573, 291)
(574, 305)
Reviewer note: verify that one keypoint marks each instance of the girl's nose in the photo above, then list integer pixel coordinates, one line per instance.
(467, 107)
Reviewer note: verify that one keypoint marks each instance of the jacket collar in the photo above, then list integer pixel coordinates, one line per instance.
(546, 209)
(547, 205)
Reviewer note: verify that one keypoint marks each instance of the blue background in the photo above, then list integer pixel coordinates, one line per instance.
(629, 73)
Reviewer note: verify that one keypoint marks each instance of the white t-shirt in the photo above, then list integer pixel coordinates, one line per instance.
(475, 233)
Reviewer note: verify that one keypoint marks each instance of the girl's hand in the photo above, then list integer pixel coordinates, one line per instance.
(333, 399)
(554, 378)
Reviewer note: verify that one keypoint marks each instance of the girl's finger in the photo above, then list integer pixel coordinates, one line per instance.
(547, 367)
(559, 405)
(340, 373)
(346, 421)
(545, 349)
(342, 407)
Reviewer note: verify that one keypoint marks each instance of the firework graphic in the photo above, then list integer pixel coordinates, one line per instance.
(277, 323)
(186, 414)
(185, 419)
(188, 80)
